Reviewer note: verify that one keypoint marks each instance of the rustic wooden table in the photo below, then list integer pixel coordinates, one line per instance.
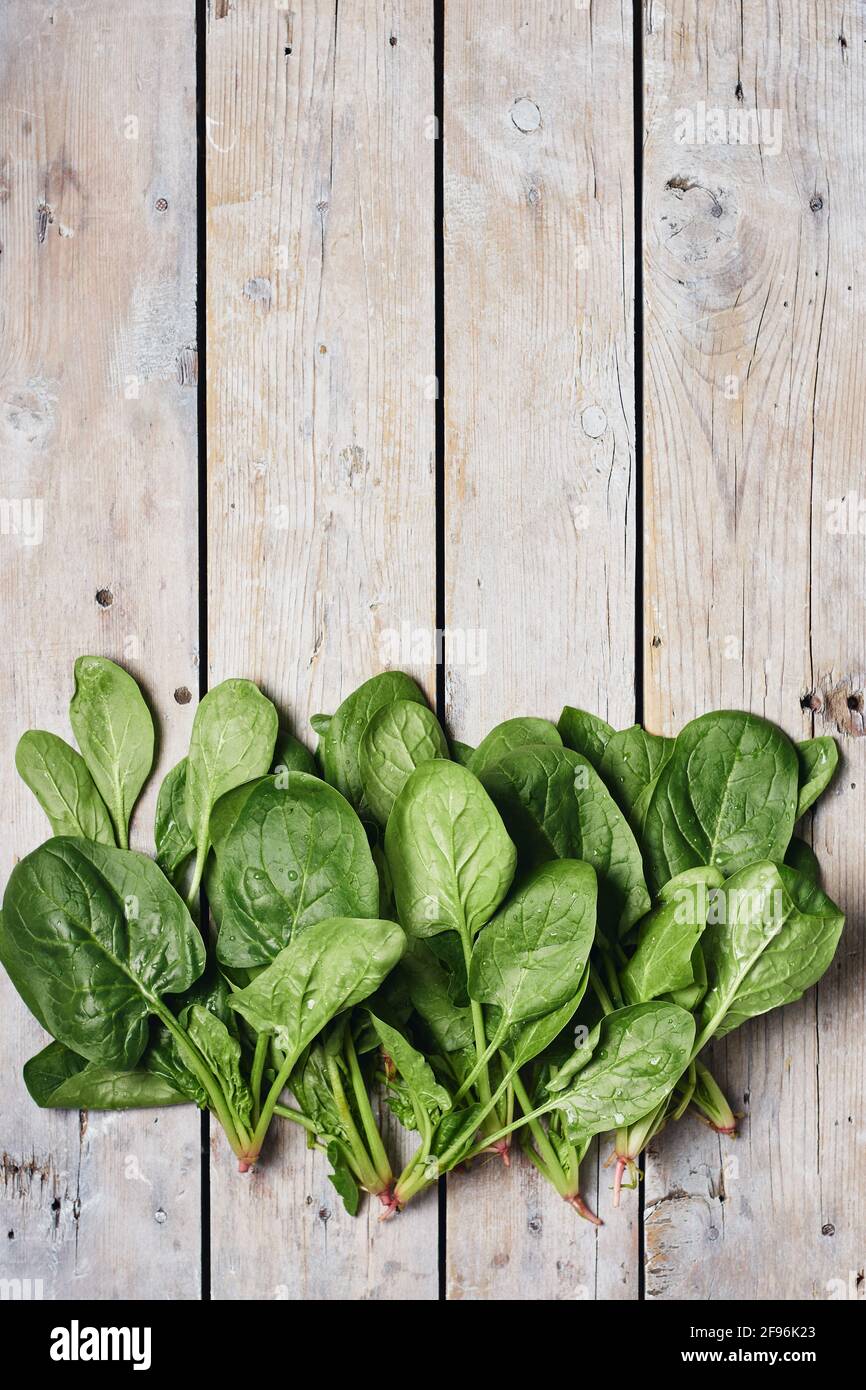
(712, 555)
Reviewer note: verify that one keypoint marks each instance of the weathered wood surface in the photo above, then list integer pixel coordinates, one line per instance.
(540, 507)
(320, 477)
(98, 447)
(754, 338)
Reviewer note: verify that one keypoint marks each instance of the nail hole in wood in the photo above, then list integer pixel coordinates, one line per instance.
(182, 695)
(855, 702)
(104, 597)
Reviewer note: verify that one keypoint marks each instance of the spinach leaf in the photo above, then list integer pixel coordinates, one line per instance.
(324, 970)
(399, 736)
(226, 811)
(526, 1040)
(320, 722)
(92, 938)
(726, 796)
(801, 856)
(58, 1079)
(233, 736)
(642, 1051)
(294, 857)
(450, 858)
(584, 733)
(771, 935)
(115, 734)
(171, 831)
(555, 805)
(343, 1179)
(341, 739)
(290, 755)
(222, 1052)
(432, 992)
(461, 752)
(531, 957)
(417, 1074)
(514, 733)
(665, 960)
(630, 765)
(817, 759)
(58, 777)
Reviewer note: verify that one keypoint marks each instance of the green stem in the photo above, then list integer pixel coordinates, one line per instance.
(259, 1058)
(369, 1177)
(362, 1100)
(489, 1051)
(552, 1168)
(296, 1116)
(235, 1132)
(200, 861)
(601, 993)
(269, 1106)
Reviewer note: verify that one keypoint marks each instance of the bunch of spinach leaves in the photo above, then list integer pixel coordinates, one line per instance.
(535, 937)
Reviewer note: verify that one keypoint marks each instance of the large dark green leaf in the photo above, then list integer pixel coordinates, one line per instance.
(58, 777)
(58, 1079)
(450, 858)
(341, 737)
(115, 734)
(555, 805)
(327, 968)
(434, 994)
(771, 935)
(93, 937)
(726, 796)
(398, 737)
(294, 857)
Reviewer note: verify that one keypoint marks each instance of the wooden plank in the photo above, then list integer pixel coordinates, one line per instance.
(755, 414)
(321, 475)
(97, 462)
(539, 408)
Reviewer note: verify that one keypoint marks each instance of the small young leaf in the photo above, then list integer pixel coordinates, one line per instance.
(817, 759)
(344, 1180)
(222, 1052)
(630, 766)
(290, 755)
(801, 856)
(584, 733)
(416, 1072)
(172, 834)
(58, 777)
(115, 734)
(667, 937)
(341, 740)
(461, 752)
(398, 737)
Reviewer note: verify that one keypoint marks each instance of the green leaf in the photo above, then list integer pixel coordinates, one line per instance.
(327, 968)
(727, 796)
(524, 732)
(527, 1040)
(450, 858)
(531, 957)
(222, 1052)
(667, 937)
(233, 736)
(642, 1051)
(172, 834)
(817, 759)
(771, 935)
(58, 1079)
(801, 856)
(416, 1072)
(461, 752)
(584, 733)
(290, 755)
(115, 734)
(398, 737)
(344, 1180)
(92, 938)
(433, 992)
(226, 811)
(294, 857)
(630, 766)
(320, 722)
(555, 805)
(341, 739)
(58, 777)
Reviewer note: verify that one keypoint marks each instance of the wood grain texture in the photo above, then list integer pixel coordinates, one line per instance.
(539, 562)
(98, 489)
(754, 337)
(320, 476)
